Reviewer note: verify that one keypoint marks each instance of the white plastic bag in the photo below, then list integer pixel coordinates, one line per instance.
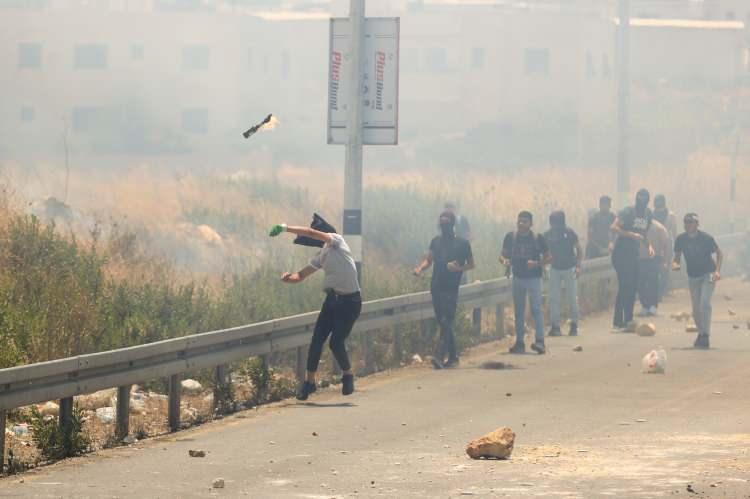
(655, 362)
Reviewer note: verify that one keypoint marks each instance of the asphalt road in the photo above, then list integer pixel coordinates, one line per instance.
(588, 424)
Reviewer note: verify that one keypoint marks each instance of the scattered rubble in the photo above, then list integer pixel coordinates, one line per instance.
(196, 453)
(497, 444)
(646, 329)
(106, 414)
(49, 409)
(691, 328)
(416, 359)
(579, 348)
(191, 386)
(218, 483)
(655, 362)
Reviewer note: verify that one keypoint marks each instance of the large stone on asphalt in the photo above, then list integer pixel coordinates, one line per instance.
(498, 445)
(645, 329)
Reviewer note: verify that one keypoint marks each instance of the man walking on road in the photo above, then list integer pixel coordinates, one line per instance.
(703, 272)
(631, 227)
(451, 256)
(600, 238)
(650, 267)
(526, 254)
(343, 302)
(566, 253)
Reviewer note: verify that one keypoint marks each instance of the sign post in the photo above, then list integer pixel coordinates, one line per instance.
(362, 101)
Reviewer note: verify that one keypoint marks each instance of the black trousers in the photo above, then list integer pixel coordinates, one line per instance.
(336, 319)
(649, 275)
(445, 302)
(626, 267)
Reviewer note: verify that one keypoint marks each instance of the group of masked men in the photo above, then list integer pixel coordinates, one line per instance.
(643, 245)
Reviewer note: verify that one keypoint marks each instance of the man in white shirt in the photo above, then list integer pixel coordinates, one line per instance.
(343, 302)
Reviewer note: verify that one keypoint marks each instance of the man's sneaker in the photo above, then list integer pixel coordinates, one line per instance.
(347, 384)
(555, 331)
(653, 311)
(573, 329)
(702, 342)
(617, 328)
(538, 348)
(436, 363)
(517, 348)
(305, 389)
(630, 327)
(643, 312)
(451, 363)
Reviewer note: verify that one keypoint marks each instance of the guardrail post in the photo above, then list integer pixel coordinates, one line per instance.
(2, 441)
(397, 345)
(500, 320)
(301, 368)
(476, 321)
(65, 415)
(175, 389)
(221, 389)
(369, 353)
(123, 412)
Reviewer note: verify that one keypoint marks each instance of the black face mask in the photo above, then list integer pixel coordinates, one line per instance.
(446, 229)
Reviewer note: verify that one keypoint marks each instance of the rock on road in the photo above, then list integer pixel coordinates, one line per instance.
(588, 424)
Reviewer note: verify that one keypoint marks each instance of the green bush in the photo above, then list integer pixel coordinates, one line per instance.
(53, 442)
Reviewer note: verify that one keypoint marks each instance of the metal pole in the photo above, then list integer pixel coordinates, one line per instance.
(353, 170)
(623, 102)
(733, 185)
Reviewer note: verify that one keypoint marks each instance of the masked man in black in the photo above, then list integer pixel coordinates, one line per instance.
(452, 257)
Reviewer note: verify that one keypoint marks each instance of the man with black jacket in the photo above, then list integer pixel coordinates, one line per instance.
(451, 256)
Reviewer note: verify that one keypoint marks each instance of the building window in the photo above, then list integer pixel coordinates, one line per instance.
(436, 59)
(590, 69)
(91, 56)
(537, 61)
(29, 55)
(136, 52)
(606, 70)
(195, 57)
(27, 114)
(477, 58)
(195, 120)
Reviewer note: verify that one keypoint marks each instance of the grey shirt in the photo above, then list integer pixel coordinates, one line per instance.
(338, 264)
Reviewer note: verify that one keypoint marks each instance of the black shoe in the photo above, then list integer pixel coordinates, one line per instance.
(436, 363)
(538, 348)
(702, 342)
(517, 348)
(453, 362)
(347, 384)
(554, 331)
(305, 389)
(573, 329)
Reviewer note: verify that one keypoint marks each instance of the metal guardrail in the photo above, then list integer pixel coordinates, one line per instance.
(65, 378)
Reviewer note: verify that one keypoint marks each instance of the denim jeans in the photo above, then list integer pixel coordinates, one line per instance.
(649, 270)
(701, 291)
(558, 278)
(533, 287)
(444, 302)
(626, 266)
